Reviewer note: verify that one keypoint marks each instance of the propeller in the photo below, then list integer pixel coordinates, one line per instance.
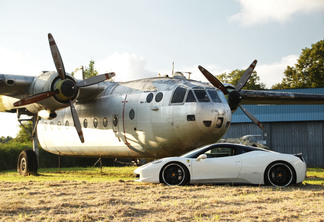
(65, 89)
(234, 97)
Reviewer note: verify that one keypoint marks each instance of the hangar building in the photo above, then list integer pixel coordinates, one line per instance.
(288, 128)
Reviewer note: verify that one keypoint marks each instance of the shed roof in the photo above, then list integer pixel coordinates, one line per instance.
(283, 113)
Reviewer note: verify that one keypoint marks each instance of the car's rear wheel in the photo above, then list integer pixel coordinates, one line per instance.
(174, 174)
(279, 174)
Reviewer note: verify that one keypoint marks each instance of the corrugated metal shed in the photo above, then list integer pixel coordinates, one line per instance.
(288, 128)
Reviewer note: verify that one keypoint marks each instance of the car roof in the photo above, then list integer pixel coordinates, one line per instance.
(230, 145)
(234, 145)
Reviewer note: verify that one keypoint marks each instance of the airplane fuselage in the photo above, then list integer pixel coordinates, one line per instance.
(148, 118)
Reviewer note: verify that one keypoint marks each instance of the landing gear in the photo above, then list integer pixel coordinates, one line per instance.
(27, 163)
(28, 159)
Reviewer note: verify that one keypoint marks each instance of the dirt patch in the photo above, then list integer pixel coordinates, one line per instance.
(132, 201)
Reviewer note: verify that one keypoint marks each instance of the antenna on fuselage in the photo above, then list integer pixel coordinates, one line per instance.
(172, 68)
(189, 73)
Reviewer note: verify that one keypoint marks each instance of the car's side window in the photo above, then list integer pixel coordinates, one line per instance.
(219, 152)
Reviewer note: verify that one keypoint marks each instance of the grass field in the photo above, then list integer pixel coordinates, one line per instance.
(86, 194)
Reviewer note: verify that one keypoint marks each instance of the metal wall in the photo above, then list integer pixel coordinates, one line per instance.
(288, 137)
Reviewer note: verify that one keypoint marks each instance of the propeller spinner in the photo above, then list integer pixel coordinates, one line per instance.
(234, 97)
(65, 89)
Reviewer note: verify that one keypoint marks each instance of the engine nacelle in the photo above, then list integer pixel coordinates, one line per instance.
(50, 81)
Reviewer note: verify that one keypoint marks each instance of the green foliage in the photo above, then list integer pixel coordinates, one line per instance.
(90, 71)
(9, 153)
(87, 71)
(309, 70)
(23, 136)
(234, 77)
(4, 139)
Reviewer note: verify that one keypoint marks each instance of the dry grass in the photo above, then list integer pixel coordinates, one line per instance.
(31, 199)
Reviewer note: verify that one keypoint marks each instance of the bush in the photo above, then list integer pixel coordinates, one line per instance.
(10, 151)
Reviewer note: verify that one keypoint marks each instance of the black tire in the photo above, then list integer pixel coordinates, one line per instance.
(279, 174)
(27, 163)
(174, 174)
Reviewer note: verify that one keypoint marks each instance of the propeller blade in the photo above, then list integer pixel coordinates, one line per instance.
(95, 79)
(212, 79)
(56, 57)
(245, 77)
(76, 121)
(252, 117)
(35, 98)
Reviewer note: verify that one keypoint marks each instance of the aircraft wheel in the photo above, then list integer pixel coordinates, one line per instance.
(280, 174)
(174, 174)
(27, 163)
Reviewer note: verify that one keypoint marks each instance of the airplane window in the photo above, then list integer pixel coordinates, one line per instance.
(214, 96)
(95, 122)
(132, 114)
(201, 95)
(59, 124)
(149, 98)
(158, 97)
(67, 123)
(105, 122)
(85, 123)
(51, 125)
(178, 95)
(115, 120)
(190, 97)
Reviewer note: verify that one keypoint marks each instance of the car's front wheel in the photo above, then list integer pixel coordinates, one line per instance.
(174, 174)
(279, 174)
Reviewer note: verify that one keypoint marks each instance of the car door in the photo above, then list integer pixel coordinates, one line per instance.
(220, 165)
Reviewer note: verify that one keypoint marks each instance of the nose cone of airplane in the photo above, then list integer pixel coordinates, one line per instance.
(213, 119)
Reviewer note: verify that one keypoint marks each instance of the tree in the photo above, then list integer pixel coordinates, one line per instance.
(4, 139)
(87, 71)
(234, 77)
(90, 71)
(22, 135)
(309, 70)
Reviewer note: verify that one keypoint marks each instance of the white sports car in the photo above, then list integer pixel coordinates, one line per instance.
(226, 163)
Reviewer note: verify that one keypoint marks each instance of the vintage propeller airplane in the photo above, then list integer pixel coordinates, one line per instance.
(147, 118)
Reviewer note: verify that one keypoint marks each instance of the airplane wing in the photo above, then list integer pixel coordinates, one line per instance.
(280, 98)
(91, 92)
(16, 86)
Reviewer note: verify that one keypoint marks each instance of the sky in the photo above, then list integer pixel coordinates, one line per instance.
(142, 38)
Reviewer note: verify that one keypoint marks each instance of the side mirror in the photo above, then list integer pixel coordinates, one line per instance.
(202, 157)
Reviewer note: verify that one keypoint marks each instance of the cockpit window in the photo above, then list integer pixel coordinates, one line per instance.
(214, 96)
(190, 97)
(178, 95)
(201, 95)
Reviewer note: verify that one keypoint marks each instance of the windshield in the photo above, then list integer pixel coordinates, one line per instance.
(214, 96)
(201, 95)
(194, 152)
